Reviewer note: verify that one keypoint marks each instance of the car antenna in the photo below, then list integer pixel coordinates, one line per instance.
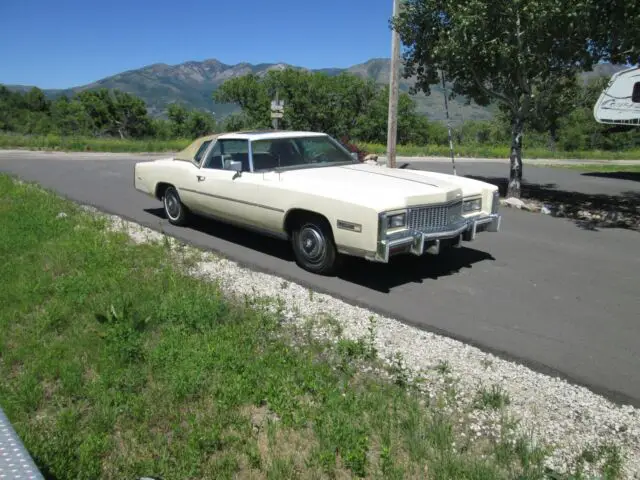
(446, 107)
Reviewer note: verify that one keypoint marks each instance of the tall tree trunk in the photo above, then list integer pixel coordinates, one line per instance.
(515, 176)
(553, 138)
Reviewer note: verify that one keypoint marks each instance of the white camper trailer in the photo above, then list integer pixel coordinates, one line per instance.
(619, 103)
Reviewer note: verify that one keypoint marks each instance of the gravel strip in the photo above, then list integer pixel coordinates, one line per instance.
(550, 411)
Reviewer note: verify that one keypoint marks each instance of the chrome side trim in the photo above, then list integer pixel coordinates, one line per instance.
(246, 226)
(350, 226)
(355, 252)
(251, 204)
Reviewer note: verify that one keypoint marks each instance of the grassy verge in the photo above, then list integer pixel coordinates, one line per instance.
(115, 364)
(483, 151)
(89, 144)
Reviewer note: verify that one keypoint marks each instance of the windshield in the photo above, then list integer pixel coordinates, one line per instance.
(285, 153)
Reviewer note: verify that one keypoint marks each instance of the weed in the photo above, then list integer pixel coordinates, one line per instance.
(443, 367)
(486, 363)
(495, 398)
(398, 370)
(334, 324)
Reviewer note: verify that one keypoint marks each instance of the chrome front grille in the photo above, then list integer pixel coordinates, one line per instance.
(435, 218)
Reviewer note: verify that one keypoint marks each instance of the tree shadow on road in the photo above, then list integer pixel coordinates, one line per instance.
(375, 276)
(588, 211)
(631, 176)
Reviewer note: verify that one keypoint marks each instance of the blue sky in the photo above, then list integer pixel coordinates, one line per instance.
(65, 43)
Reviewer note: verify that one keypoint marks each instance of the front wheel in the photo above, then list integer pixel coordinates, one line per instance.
(314, 248)
(174, 209)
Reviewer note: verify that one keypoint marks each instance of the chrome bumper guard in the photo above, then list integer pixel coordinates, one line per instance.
(419, 243)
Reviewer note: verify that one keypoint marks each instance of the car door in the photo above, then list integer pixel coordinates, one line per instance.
(186, 179)
(227, 193)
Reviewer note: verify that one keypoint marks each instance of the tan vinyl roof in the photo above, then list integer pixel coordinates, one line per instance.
(190, 152)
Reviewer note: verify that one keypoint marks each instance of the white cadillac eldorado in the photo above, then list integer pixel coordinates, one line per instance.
(307, 188)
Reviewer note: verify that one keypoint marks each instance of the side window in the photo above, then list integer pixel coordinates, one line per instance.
(235, 150)
(635, 97)
(214, 160)
(228, 150)
(203, 148)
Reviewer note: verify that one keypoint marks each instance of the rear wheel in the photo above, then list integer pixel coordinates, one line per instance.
(174, 209)
(313, 246)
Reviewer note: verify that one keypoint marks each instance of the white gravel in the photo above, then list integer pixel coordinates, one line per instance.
(551, 411)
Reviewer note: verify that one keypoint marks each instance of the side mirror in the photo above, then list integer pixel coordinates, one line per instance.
(233, 165)
(354, 155)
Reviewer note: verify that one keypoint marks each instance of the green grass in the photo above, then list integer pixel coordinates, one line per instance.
(487, 151)
(115, 364)
(90, 144)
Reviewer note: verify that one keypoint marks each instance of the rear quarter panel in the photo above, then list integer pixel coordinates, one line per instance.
(148, 175)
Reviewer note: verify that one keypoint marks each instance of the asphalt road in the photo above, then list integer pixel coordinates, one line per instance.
(559, 298)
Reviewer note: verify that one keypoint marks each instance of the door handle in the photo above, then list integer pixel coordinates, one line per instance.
(201, 178)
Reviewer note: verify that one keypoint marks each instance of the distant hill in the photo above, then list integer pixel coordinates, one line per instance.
(192, 84)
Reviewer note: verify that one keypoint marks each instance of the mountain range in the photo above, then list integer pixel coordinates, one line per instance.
(192, 84)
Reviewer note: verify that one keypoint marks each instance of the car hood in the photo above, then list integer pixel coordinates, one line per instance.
(373, 186)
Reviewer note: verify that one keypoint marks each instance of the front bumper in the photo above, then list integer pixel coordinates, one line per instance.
(419, 243)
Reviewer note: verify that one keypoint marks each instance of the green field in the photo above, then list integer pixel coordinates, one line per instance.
(115, 364)
(90, 144)
(486, 151)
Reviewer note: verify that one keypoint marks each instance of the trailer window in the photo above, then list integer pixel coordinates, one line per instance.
(635, 97)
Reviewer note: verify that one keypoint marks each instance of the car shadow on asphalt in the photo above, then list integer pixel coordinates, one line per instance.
(380, 277)
(405, 269)
(237, 235)
(604, 211)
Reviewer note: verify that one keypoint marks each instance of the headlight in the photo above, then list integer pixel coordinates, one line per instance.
(472, 205)
(398, 220)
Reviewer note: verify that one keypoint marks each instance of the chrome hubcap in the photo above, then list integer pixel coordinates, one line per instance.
(172, 204)
(312, 243)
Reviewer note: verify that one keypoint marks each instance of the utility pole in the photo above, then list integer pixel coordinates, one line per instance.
(446, 107)
(392, 122)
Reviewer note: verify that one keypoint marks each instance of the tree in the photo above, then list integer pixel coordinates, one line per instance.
(497, 50)
(189, 124)
(313, 101)
(553, 101)
(199, 123)
(115, 112)
(69, 117)
(130, 118)
(177, 119)
(615, 36)
(250, 93)
(413, 128)
(36, 101)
